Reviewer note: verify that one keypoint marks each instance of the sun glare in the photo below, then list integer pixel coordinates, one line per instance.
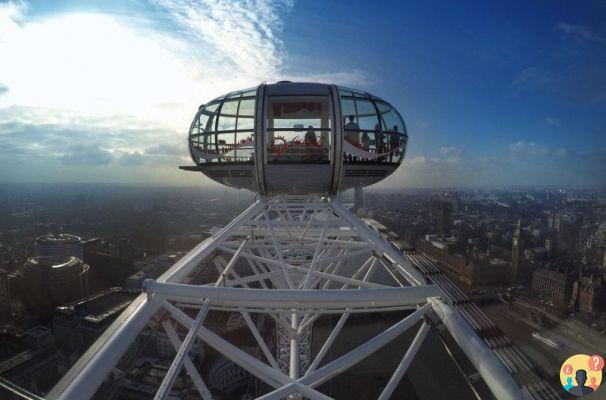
(92, 63)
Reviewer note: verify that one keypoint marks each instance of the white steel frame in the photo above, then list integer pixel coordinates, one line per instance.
(306, 257)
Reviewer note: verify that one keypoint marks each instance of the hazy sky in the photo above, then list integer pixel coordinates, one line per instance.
(104, 91)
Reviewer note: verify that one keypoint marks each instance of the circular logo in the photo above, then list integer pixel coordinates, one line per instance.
(582, 374)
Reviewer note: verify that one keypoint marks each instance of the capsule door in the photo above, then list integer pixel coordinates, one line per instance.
(298, 136)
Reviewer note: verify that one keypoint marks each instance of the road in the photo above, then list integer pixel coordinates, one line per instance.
(547, 359)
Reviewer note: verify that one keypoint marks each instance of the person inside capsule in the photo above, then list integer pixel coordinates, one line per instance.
(351, 131)
(310, 137)
(394, 143)
(286, 118)
(369, 129)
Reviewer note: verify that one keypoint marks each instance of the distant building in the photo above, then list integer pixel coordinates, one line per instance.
(598, 239)
(515, 251)
(78, 324)
(585, 232)
(46, 282)
(157, 345)
(5, 298)
(553, 220)
(588, 292)
(536, 253)
(444, 219)
(568, 232)
(146, 362)
(153, 268)
(30, 360)
(471, 272)
(552, 285)
(110, 262)
(227, 377)
(61, 245)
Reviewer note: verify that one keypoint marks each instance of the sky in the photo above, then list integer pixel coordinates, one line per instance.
(493, 93)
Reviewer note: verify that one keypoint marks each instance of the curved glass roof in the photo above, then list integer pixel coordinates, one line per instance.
(373, 130)
(223, 129)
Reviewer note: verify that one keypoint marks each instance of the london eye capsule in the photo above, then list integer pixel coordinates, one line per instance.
(297, 138)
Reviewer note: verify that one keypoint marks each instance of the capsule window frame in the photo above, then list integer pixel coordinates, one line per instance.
(326, 100)
(355, 96)
(214, 135)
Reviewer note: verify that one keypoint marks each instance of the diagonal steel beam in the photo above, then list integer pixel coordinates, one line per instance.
(287, 276)
(175, 367)
(337, 329)
(272, 377)
(189, 365)
(260, 341)
(413, 276)
(295, 268)
(494, 373)
(261, 370)
(353, 357)
(405, 363)
(314, 261)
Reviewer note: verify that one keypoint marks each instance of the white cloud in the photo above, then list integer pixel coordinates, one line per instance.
(524, 148)
(579, 32)
(533, 151)
(242, 33)
(451, 152)
(554, 121)
(417, 160)
(86, 155)
(448, 169)
(83, 65)
(10, 14)
(352, 78)
(566, 152)
(571, 72)
(525, 163)
(92, 64)
(123, 90)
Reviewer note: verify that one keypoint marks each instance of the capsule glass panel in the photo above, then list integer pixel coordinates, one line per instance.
(373, 131)
(299, 130)
(394, 131)
(223, 130)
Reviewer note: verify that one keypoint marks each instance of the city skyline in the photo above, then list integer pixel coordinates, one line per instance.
(492, 95)
(524, 267)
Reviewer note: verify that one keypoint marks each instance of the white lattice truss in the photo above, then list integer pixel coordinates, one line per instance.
(305, 257)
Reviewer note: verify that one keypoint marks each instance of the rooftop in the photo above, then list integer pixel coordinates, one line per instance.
(57, 239)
